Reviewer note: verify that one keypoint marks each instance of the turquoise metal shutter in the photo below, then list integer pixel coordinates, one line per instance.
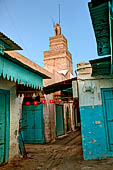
(4, 126)
(33, 124)
(107, 96)
(59, 120)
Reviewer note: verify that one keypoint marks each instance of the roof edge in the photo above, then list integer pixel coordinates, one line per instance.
(29, 64)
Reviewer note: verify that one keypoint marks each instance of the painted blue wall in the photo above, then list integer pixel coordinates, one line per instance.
(94, 141)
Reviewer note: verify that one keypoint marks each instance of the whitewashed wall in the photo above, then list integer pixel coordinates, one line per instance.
(90, 87)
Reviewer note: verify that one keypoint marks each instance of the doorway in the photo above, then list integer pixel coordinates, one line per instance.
(107, 99)
(59, 120)
(67, 119)
(4, 125)
(32, 122)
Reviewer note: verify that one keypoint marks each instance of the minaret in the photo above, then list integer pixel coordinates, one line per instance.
(58, 60)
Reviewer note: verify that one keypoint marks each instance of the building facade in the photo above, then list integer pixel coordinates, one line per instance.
(95, 103)
(15, 71)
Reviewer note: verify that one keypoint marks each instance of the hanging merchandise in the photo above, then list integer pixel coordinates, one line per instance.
(35, 102)
(43, 101)
(27, 103)
(51, 101)
(59, 100)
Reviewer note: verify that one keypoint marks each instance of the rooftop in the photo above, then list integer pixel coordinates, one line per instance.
(29, 64)
(11, 45)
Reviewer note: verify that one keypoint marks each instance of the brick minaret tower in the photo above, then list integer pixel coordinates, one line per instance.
(58, 60)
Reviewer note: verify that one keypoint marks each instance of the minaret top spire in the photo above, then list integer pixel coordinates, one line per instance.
(57, 30)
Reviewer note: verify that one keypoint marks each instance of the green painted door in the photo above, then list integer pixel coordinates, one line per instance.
(67, 118)
(107, 96)
(4, 126)
(59, 120)
(33, 124)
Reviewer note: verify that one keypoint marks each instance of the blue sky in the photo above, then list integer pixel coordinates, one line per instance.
(29, 24)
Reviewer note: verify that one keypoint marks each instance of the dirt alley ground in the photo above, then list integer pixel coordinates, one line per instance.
(63, 154)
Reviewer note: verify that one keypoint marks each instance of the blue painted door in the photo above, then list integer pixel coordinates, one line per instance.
(33, 124)
(4, 126)
(107, 96)
(59, 120)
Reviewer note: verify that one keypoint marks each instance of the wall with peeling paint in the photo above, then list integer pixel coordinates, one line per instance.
(93, 127)
(15, 110)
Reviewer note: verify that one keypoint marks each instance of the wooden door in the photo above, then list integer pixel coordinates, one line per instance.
(32, 123)
(59, 120)
(67, 118)
(4, 126)
(107, 97)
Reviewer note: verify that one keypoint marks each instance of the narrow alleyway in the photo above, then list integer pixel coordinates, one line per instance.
(63, 154)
